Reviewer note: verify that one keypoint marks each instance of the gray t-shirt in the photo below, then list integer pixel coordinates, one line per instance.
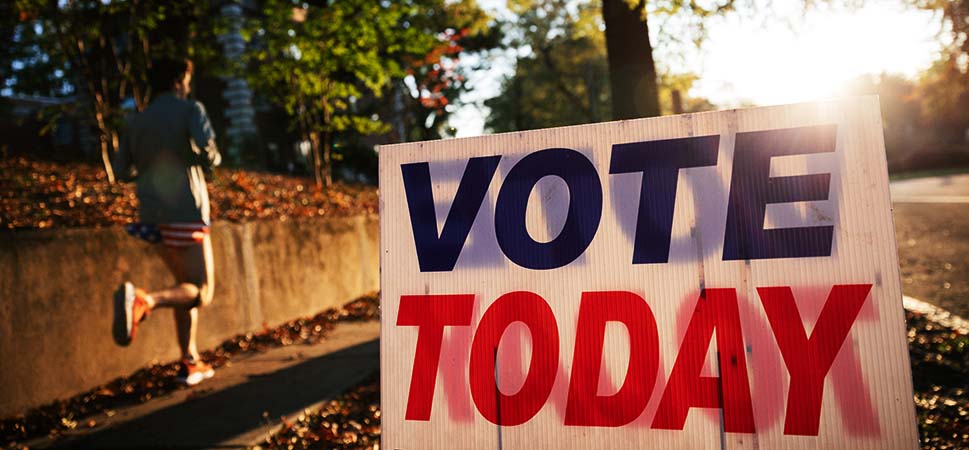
(164, 149)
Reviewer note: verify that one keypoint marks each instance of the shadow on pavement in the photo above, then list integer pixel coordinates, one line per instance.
(234, 417)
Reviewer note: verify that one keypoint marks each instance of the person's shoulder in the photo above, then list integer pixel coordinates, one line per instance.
(184, 103)
(190, 107)
(197, 107)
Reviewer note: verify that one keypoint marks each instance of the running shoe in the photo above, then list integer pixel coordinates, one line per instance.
(194, 372)
(130, 308)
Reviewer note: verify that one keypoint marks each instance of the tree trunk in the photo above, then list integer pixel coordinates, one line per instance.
(632, 71)
(104, 137)
(317, 158)
(327, 165)
(327, 143)
(115, 142)
(106, 157)
(677, 100)
(518, 95)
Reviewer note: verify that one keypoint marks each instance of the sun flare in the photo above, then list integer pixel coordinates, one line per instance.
(750, 61)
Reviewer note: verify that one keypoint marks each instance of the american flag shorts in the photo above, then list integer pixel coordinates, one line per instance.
(171, 234)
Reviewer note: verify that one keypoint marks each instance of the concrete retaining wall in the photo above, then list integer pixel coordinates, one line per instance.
(56, 296)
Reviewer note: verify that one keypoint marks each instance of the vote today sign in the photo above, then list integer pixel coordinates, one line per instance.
(714, 280)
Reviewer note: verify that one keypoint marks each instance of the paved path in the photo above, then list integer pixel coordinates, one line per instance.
(244, 401)
(931, 217)
(942, 189)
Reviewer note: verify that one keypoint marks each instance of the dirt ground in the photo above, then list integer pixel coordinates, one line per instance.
(933, 253)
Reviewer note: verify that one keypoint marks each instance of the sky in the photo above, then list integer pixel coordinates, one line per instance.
(784, 55)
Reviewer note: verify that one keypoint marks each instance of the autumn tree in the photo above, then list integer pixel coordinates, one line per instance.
(944, 87)
(99, 52)
(433, 78)
(324, 62)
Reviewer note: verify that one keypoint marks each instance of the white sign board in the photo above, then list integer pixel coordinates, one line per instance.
(702, 281)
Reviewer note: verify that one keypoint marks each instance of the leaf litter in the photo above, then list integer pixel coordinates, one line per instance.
(38, 194)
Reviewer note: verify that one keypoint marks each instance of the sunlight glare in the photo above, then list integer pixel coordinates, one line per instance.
(816, 56)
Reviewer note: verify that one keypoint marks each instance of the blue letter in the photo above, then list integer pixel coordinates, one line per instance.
(660, 162)
(440, 253)
(581, 223)
(752, 189)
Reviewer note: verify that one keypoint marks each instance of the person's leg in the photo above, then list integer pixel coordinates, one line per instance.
(193, 268)
(187, 252)
(183, 294)
(186, 328)
(185, 319)
(180, 296)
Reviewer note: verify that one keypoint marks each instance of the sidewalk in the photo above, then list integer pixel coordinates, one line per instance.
(243, 402)
(938, 189)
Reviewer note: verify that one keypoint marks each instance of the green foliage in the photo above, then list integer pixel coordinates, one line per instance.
(434, 80)
(99, 51)
(28, 63)
(680, 84)
(330, 64)
(316, 61)
(323, 58)
(95, 47)
(563, 76)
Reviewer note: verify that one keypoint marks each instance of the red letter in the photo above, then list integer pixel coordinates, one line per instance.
(533, 311)
(430, 313)
(716, 309)
(585, 408)
(808, 360)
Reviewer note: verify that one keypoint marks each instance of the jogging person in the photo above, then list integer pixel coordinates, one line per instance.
(165, 149)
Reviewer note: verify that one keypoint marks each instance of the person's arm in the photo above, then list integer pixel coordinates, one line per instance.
(203, 136)
(123, 164)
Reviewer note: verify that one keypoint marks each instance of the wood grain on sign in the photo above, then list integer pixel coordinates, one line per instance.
(714, 280)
